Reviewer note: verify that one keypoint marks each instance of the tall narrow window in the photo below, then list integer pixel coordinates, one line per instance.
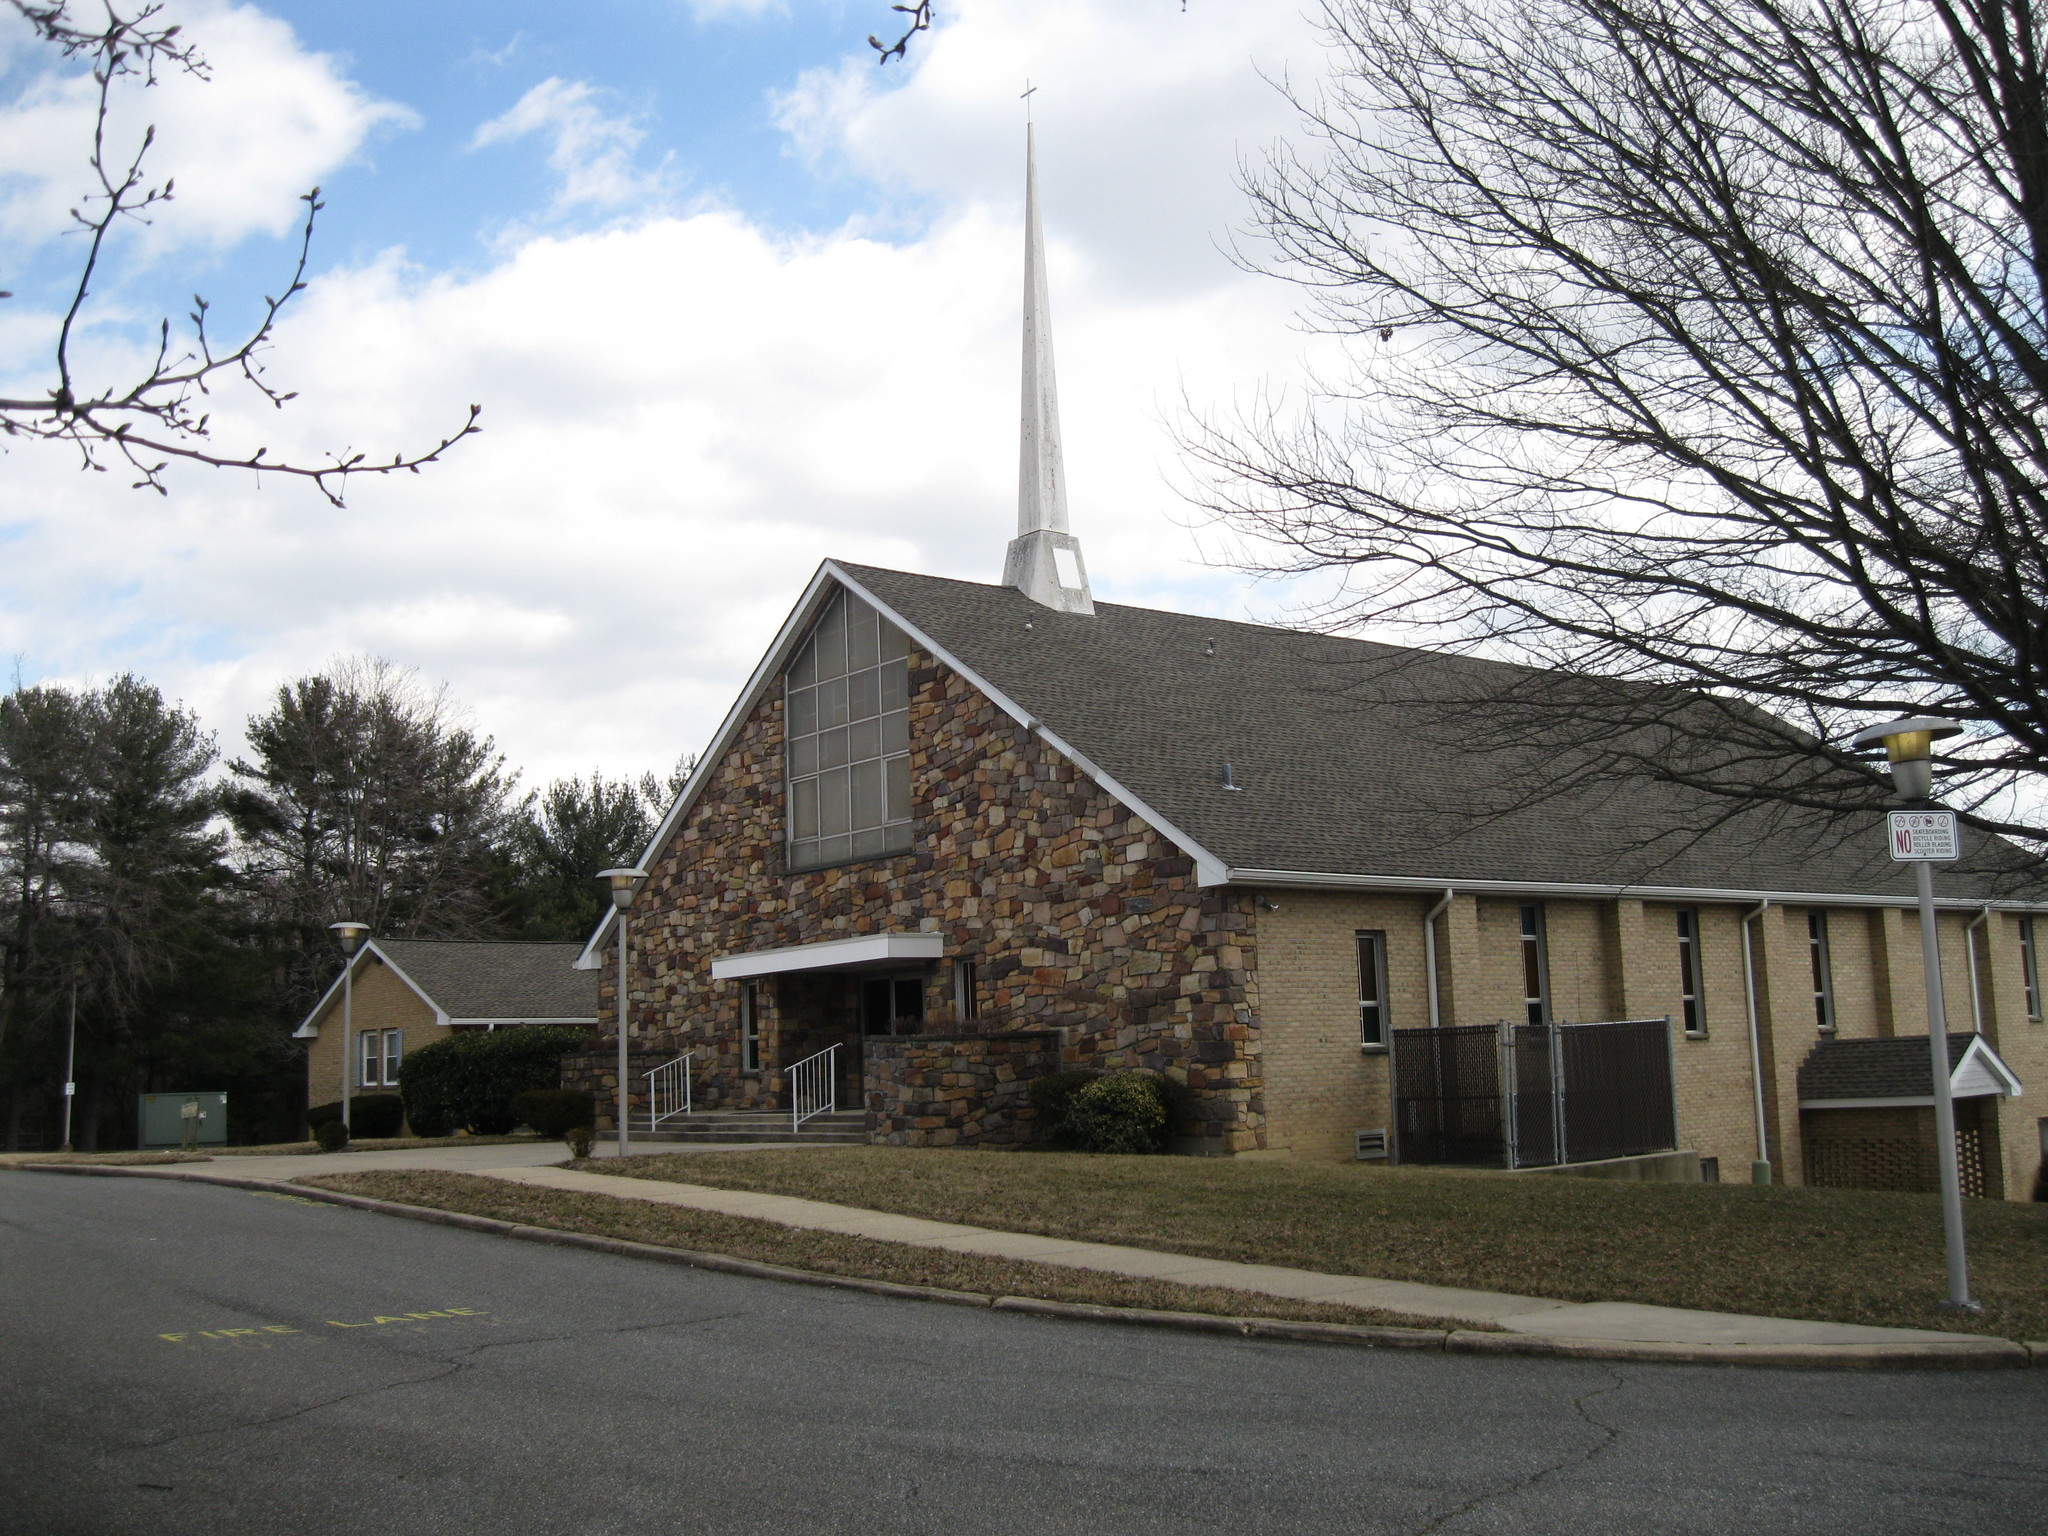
(1372, 989)
(1535, 965)
(2030, 966)
(750, 1028)
(1823, 972)
(846, 725)
(394, 1050)
(1689, 971)
(966, 991)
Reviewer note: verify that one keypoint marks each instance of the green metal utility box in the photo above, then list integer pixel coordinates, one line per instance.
(161, 1119)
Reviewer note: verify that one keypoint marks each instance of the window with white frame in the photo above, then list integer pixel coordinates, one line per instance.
(1691, 1002)
(1372, 988)
(1535, 965)
(2030, 966)
(846, 727)
(1823, 972)
(750, 1027)
(379, 1052)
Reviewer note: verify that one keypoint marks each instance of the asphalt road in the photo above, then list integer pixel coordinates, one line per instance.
(179, 1358)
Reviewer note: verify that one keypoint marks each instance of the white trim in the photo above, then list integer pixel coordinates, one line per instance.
(1990, 1067)
(1312, 880)
(507, 1021)
(871, 949)
(310, 1030)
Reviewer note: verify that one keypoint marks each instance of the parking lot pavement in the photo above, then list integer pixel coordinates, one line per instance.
(184, 1358)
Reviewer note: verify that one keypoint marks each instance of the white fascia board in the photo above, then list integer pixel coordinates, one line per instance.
(871, 949)
(1923, 1102)
(1981, 1064)
(1312, 880)
(1209, 870)
(592, 958)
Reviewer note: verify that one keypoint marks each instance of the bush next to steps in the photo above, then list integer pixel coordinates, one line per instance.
(1110, 1112)
(472, 1080)
(369, 1114)
(556, 1111)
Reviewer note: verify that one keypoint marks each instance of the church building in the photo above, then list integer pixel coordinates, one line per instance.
(954, 836)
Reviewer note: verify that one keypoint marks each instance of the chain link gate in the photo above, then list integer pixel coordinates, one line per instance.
(1533, 1095)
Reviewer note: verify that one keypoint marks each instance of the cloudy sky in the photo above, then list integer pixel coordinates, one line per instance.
(733, 300)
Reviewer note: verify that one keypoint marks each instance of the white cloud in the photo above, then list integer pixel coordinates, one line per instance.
(684, 414)
(590, 152)
(232, 181)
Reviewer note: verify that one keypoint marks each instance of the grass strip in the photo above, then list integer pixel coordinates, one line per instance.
(1831, 1255)
(832, 1253)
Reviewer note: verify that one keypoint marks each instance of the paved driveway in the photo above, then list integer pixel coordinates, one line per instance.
(192, 1359)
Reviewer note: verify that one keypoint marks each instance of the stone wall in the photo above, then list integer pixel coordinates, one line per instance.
(956, 1090)
(1077, 914)
(597, 1072)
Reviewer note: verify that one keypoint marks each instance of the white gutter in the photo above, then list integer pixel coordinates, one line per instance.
(1565, 890)
(1436, 1020)
(1970, 948)
(1761, 1173)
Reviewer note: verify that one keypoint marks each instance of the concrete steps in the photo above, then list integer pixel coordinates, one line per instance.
(844, 1128)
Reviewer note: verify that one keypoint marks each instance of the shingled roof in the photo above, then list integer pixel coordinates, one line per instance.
(1331, 776)
(496, 981)
(1898, 1068)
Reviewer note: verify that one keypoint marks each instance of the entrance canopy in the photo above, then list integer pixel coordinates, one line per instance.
(871, 951)
(1898, 1070)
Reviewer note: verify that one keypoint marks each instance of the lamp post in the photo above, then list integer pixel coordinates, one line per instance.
(622, 882)
(1909, 747)
(350, 937)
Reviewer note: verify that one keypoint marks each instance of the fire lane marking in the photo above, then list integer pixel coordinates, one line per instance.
(267, 1331)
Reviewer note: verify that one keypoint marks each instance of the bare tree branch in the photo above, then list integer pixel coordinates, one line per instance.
(163, 416)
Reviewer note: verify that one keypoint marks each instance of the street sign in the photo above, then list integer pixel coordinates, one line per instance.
(1917, 835)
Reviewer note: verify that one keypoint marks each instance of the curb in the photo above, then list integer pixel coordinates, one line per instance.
(1965, 1354)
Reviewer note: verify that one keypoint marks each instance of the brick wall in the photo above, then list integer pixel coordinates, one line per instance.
(1078, 915)
(956, 1090)
(382, 1001)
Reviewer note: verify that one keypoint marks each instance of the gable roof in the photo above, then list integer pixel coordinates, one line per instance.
(1333, 787)
(1841, 1074)
(482, 982)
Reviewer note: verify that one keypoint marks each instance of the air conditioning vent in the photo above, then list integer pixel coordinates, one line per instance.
(1371, 1146)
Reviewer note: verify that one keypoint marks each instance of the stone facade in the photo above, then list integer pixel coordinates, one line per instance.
(957, 1090)
(597, 1072)
(1076, 914)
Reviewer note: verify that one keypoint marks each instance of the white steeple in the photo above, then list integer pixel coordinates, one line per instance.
(1044, 561)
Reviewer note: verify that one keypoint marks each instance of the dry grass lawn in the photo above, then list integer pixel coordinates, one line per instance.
(1850, 1256)
(827, 1252)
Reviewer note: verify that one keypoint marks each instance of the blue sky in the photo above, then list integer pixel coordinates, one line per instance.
(733, 298)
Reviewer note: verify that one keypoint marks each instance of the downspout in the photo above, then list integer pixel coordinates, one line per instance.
(1970, 945)
(1760, 1170)
(1429, 957)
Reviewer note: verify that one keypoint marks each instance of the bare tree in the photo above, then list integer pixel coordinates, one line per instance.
(1698, 344)
(162, 416)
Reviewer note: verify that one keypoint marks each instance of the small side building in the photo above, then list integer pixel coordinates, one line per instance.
(412, 992)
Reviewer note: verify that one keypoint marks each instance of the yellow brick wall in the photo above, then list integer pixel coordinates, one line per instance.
(1615, 960)
(382, 1001)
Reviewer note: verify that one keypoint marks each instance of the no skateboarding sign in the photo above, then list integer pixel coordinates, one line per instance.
(1917, 835)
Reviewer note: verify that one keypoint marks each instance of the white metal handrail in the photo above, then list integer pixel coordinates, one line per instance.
(813, 1087)
(668, 1091)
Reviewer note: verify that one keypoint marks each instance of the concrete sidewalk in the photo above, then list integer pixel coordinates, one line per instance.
(1626, 1322)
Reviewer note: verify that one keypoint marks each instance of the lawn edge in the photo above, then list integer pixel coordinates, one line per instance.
(1978, 1353)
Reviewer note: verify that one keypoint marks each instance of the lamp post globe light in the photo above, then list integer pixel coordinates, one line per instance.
(1909, 748)
(622, 882)
(350, 937)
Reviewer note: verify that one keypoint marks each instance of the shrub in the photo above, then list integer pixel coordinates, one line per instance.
(555, 1111)
(1051, 1097)
(370, 1114)
(1122, 1112)
(470, 1080)
(331, 1134)
(581, 1138)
